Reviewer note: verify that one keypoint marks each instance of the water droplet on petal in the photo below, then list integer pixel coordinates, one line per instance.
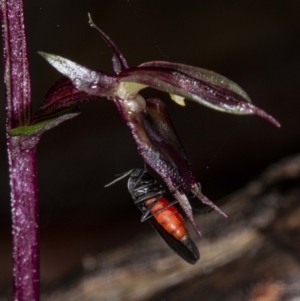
(77, 82)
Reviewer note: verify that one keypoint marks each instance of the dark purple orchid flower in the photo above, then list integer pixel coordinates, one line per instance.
(148, 120)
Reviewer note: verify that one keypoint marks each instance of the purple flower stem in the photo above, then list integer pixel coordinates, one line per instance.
(21, 154)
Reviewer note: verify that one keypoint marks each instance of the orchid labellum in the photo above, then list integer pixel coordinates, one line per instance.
(148, 120)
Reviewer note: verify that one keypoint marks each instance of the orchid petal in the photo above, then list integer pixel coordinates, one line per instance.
(186, 207)
(71, 69)
(62, 96)
(84, 79)
(204, 75)
(200, 85)
(158, 143)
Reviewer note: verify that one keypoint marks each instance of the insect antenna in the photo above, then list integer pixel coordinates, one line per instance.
(203, 210)
(124, 175)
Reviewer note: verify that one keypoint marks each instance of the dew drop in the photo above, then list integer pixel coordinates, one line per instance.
(77, 82)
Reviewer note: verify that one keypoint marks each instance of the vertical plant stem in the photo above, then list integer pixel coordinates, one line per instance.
(24, 222)
(21, 154)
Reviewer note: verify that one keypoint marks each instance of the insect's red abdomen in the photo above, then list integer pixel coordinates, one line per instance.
(169, 218)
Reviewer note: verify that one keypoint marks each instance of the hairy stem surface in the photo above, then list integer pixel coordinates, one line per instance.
(21, 154)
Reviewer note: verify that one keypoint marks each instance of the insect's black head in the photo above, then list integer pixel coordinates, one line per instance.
(137, 173)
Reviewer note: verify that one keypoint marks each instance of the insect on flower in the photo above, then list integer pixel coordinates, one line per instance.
(147, 118)
(150, 198)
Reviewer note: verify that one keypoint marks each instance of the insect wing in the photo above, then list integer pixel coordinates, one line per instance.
(187, 249)
(143, 187)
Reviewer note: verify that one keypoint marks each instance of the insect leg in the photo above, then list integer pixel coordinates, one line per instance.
(196, 191)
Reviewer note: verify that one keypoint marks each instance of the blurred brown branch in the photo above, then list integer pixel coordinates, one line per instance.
(253, 255)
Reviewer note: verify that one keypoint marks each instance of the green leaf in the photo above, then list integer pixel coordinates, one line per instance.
(41, 127)
(29, 129)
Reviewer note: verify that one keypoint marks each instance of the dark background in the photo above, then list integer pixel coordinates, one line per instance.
(254, 43)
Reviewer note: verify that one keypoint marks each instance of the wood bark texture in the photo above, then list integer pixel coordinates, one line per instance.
(253, 255)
